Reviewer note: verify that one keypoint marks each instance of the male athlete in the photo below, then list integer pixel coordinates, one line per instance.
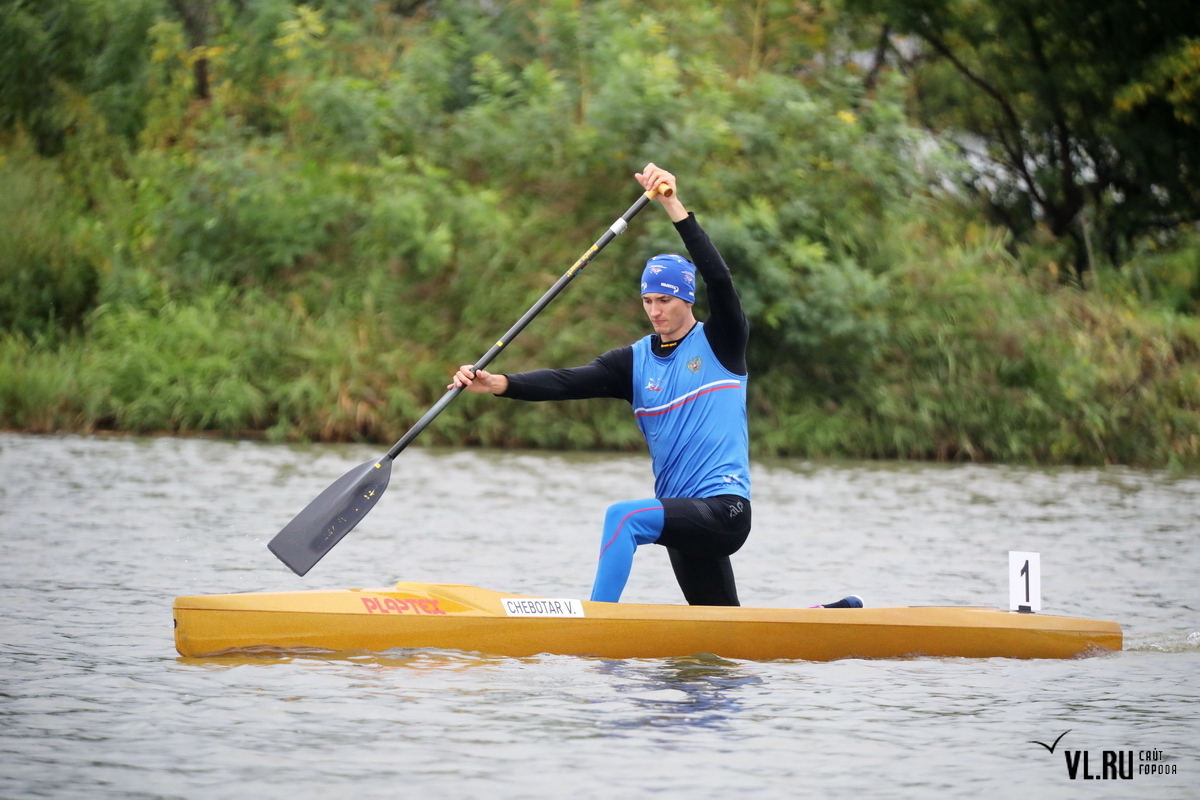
(687, 385)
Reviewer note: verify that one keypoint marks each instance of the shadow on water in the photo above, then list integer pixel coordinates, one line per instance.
(699, 690)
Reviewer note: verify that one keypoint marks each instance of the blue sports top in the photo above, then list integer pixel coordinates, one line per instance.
(692, 412)
(689, 400)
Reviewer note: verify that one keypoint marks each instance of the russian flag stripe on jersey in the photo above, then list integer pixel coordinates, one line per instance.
(712, 387)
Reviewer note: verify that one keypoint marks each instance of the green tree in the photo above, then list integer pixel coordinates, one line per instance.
(1069, 110)
(53, 52)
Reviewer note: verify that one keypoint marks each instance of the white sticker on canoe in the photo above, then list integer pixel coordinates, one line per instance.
(541, 607)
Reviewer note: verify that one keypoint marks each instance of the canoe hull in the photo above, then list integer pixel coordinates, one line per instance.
(420, 615)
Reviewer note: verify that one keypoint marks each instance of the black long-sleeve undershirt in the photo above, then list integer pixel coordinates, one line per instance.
(611, 375)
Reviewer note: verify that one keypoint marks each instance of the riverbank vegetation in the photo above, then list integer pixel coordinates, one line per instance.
(294, 221)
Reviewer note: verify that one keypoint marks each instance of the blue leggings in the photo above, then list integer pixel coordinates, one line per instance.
(699, 533)
(626, 525)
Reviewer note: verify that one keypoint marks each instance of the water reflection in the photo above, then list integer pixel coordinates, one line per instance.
(701, 690)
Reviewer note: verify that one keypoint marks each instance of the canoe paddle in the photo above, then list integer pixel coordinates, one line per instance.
(321, 525)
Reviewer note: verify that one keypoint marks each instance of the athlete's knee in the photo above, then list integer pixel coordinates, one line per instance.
(640, 521)
(615, 513)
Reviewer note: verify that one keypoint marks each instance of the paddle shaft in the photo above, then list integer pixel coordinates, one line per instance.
(614, 230)
(326, 520)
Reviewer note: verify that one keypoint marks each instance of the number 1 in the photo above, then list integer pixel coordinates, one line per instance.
(1025, 572)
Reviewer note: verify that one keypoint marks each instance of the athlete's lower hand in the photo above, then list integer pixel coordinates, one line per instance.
(478, 381)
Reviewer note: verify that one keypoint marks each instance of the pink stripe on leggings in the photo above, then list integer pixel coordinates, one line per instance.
(621, 525)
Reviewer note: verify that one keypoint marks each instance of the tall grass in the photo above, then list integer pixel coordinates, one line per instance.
(980, 364)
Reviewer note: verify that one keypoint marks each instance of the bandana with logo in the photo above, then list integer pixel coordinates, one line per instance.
(672, 275)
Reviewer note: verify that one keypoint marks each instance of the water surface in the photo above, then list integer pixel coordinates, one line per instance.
(100, 535)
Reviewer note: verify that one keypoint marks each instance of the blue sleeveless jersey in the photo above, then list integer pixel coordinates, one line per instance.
(692, 412)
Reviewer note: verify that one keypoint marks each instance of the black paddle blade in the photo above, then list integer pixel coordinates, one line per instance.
(315, 530)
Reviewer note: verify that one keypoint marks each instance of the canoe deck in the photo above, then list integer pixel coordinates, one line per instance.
(445, 616)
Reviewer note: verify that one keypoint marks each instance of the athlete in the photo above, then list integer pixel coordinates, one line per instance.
(686, 383)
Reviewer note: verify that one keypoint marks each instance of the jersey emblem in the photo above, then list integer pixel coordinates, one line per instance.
(694, 364)
(655, 385)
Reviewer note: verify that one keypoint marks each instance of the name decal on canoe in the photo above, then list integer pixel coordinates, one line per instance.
(541, 607)
(392, 605)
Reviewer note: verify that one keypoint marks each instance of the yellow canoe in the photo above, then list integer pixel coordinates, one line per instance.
(468, 618)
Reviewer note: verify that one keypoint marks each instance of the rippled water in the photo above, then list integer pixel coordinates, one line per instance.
(100, 535)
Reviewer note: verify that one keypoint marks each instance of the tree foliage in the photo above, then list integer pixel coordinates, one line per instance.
(294, 219)
(1078, 116)
(58, 56)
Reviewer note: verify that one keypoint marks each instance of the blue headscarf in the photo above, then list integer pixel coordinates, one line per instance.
(672, 275)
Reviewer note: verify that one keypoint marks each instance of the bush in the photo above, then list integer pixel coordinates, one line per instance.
(232, 214)
(48, 277)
